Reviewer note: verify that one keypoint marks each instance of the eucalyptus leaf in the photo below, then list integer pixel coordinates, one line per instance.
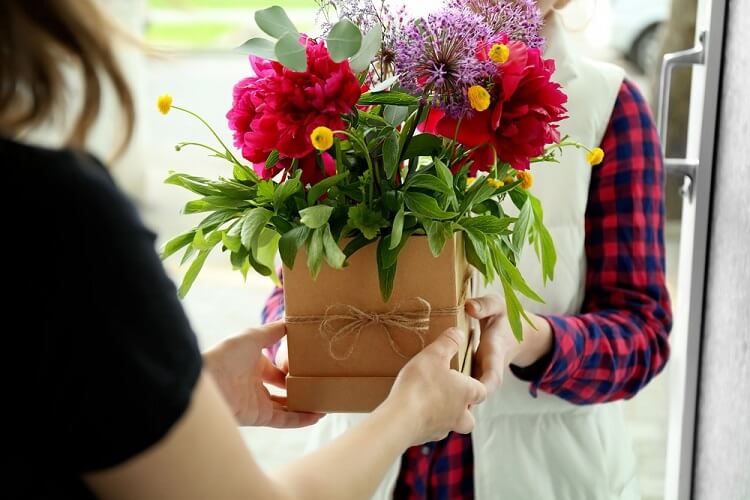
(259, 47)
(275, 22)
(344, 40)
(371, 44)
(291, 53)
(395, 115)
(385, 84)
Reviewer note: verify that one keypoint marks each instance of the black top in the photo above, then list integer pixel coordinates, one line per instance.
(106, 359)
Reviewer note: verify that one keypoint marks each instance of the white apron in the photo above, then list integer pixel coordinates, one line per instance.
(544, 447)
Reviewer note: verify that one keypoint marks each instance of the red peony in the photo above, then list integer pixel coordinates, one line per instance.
(279, 108)
(523, 119)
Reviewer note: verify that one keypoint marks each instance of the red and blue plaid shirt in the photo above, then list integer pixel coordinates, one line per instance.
(619, 341)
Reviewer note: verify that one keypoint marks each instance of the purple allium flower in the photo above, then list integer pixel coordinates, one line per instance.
(437, 56)
(519, 19)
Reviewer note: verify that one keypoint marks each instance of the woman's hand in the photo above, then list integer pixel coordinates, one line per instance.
(240, 370)
(431, 397)
(498, 347)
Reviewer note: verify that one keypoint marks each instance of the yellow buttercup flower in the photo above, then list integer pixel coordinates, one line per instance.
(526, 178)
(479, 98)
(509, 180)
(500, 53)
(164, 103)
(470, 180)
(595, 156)
(322, 138)
(495, 183)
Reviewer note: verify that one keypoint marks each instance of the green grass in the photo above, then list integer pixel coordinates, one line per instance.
(234, 4)
(188, 35)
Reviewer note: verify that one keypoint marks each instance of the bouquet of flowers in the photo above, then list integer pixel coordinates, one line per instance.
(385, 128)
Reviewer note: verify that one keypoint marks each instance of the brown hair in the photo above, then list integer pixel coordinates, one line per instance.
(35, 38)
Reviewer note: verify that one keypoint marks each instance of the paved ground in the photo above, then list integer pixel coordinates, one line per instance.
(221, 304)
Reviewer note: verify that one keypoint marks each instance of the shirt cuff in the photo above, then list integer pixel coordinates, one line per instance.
(552, 370)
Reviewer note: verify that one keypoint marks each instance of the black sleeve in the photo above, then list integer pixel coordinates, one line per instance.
(127, 358)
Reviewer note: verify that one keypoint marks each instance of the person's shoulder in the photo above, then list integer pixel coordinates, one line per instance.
(62, 181)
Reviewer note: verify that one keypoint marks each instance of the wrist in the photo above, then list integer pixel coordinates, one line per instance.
(401, 417)
(537, 341)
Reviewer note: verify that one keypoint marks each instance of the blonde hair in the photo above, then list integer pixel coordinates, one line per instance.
(35, 38)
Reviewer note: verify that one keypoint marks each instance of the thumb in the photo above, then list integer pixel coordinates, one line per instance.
(446, 345)
(269, 334)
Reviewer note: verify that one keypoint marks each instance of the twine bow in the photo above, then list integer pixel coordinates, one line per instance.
(342, 322)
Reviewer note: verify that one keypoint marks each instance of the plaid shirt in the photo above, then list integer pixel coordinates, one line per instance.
(619, 341)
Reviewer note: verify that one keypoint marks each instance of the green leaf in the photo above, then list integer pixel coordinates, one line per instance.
(513, 308)
(315, 252)
(291, 53)
(197, 185)
(426, 206)
(437, 234)
(427, 181)
(443, 172)
(371, 44)
(260, 268)
(390, 153)
(488, 224)
(397, 230)
(344, 40)
(477, 193)
(266, 255)
(189, 254)
(242, 173)
(175, 244)
(356, 243)
(274, 22)
(395, 115)
(334, 256)
(192, 273)
(323, 186)
(544, 244)
(513, 275)
(472, 255)
(285, 191)
(265, 191)
(423, 145)
(252, 224)
(260, 47)
(202, 243)
(233, 243)
(291, 242)
(272, 159)
(239, 260)
(366, 220)
(392, 97)
(521, 227)
(218, 218)
(316, 216)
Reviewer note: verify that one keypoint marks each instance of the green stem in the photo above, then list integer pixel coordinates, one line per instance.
(409, 137)
(198, 144)
(231, 156)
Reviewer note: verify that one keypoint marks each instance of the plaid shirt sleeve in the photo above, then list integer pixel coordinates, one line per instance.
(273, 310)
(619, 341)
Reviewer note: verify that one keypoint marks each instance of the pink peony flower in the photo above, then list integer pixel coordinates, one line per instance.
(523, 119)
(278, 108)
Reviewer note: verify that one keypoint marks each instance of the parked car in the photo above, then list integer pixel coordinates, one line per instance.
(635, 29)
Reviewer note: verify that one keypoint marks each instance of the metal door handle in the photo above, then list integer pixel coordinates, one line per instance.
(697, 55)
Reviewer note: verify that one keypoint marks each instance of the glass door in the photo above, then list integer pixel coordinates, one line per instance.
(696, 168)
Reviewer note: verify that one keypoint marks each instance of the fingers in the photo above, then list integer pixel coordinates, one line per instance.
(465, 423)
(490, 358)
(272, 375)
(483, 307)
(268, 335)
(282, 418)
(446, 345)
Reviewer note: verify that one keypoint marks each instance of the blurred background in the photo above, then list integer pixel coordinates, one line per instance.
(196, 64)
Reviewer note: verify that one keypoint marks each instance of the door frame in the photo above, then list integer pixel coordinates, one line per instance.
(688, 326)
